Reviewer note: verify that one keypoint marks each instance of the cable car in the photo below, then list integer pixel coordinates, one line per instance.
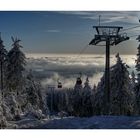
(59, 84)
(78, 81)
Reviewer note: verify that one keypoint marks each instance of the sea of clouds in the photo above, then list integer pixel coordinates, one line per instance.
(48, 68)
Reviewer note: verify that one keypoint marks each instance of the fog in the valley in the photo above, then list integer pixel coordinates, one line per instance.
(49, 68)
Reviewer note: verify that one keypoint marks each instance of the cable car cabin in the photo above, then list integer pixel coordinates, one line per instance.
(59, 85)
(79, 81)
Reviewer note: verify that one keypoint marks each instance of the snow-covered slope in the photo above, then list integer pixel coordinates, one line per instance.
(96, 122)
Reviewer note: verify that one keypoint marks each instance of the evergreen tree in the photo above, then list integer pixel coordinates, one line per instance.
(138, 60)
(87, 88)
(33, 91)
(137, 87)
(77, 97)
(15, 68)
(92, 98)
(78, 85)
(3, 63)
(94, 88)
(99, 102)
(87, 109)
(133, 80)
(122, 97)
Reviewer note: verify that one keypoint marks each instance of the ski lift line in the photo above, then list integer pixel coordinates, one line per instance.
(78, 54)
(131, 35)
(130, 28)
(85, 47)
(129, 31)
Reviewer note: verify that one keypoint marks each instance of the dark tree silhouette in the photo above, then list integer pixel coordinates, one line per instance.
(15, 68)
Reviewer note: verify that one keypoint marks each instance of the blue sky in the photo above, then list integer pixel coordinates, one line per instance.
(65, 31)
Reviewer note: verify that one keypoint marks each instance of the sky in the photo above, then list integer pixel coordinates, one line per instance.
(66, 31)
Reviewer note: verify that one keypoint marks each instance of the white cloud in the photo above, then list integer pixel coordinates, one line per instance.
(121, 18)
(66, 68)
(107, 16)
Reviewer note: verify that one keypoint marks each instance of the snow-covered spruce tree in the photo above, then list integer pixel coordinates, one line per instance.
(69, 101)
(87, 88)
(3, 121)
(3, 63)
(137, 87)
(61, 100)
(11, 107)
(122, 96)
(33, 94)
(92, 97)
(77, 97)
(133, 80)
(15, 68)
(94, 89)
(98, 101)
(87, 109)
(78, 86)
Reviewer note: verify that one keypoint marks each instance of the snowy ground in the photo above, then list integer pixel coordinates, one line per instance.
(96, 122)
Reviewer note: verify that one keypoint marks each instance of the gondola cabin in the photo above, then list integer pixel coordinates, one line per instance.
(59, 85)
(79, 81)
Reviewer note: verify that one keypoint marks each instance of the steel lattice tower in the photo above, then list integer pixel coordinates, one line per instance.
(110, 35)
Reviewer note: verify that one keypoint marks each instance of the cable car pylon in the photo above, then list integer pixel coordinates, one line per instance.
(110, 35)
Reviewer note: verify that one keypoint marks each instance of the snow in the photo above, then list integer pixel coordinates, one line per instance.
(95, 122)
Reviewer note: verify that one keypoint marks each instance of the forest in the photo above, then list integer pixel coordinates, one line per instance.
(22, 96)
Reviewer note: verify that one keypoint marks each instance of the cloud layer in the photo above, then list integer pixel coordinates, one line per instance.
(108, 16)
(49, 68)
